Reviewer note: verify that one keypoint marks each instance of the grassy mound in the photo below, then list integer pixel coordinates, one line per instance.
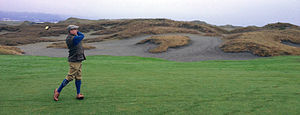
(138, 85)
(281, 26)
(246, 29)
(263, 43)
(138, 24)
(128, 33)
(165, 42)
(8, 28)
(24, 35)
(22, 40)
(73, 20)
(10, 50)
(272, 26)
(229, 27)
(136, 27)
(64, 46)
(111, 29)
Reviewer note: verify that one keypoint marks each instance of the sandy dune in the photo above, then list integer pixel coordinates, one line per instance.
(201, 48)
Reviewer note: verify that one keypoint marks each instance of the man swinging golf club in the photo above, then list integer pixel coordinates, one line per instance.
(76, 56)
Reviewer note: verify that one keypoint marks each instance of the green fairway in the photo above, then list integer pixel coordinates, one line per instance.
(138, 85)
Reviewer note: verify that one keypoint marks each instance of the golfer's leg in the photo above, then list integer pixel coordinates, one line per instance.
(78, 85)
(68, 78)
(78, 79)
(62, 85)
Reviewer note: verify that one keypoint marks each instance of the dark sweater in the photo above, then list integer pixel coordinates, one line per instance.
(76, 52)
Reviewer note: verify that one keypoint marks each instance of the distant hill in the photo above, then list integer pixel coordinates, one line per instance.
(199, 22)
(28, 16)
(12, 23)
(229, 27)
(73, 20)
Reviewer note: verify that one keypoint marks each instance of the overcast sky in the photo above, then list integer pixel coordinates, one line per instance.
(219, 12)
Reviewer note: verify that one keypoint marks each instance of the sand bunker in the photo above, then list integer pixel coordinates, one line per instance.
(200, 48)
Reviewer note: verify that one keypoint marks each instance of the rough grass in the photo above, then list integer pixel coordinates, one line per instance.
(272, 26)
(64, 46)
(9, 28)
(263, 43)
(145, 31)
(154, 30)
(229, 27)
(281, 26)
(10, 50)
(165, 42)
(22, 40)
(137, 85)
(24, 35)
(73, 20)
(246, 29)
(136, 27)
(138, 24)
(120, 29)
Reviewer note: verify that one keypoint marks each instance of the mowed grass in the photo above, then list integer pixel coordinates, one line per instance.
(138, 85)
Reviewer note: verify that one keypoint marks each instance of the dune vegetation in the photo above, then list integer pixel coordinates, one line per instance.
(266, 41)
(10, 50)
(110, 29)
(261, 41)
(165, 42)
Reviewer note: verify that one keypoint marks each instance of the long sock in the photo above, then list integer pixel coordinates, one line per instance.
(62, 85)
(78, 84)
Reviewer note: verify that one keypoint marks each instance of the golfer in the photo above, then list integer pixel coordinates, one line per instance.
(76, 56)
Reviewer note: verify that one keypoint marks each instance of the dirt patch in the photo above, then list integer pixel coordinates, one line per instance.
(10, 50)
(263, 43)
(165, 42)
(64, 46)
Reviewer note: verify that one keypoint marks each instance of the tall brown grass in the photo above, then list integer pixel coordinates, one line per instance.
(111, 29)
(165, 42)
(10, 50)
(263, 43)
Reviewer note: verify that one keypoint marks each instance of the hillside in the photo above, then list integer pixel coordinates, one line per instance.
(270, 40)
(264, 41)
(111, 29)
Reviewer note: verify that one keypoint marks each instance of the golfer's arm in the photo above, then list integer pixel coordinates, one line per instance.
(78, 38)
